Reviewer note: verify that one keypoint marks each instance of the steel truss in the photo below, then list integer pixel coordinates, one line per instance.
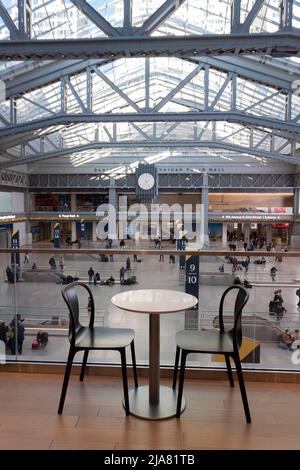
(14, 179)
(158, 145)
(165, 181)
(276, 137)
(277, 45)
(262, 135)
(130, 41)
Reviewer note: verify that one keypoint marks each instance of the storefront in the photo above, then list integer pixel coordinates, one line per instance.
(5, 235)
(35, 230)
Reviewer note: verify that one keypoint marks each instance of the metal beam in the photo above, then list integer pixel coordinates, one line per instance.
(64, 119)
(116, 89)
(155, 144)
(96, 18)
(245, 27)
(235, 15)
(22, 18)
(281, 44)
(48, 73)
(13, 30)
(127, 22)
(248, 68)
(159, 16)
(179, 87)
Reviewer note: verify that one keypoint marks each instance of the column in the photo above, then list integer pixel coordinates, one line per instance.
(204, 201)
(269, 233)
(94, 233)
(295, 229)
(29, 201)
(73, 203)
(224, 234)
(296, 208)
(112, 224)
(73, 231)
(247, 232)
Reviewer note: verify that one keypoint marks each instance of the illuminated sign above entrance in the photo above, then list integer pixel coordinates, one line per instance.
(7, 217)
(251, 217)
(68, 216)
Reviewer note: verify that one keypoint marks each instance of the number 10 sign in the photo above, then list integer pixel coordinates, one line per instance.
(192, 276)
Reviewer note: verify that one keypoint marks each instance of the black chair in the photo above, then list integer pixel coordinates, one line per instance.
(220, 341)
(84, 338)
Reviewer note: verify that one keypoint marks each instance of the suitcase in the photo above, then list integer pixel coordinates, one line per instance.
(35, 344)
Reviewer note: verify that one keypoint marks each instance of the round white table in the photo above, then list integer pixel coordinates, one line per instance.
(154, 401)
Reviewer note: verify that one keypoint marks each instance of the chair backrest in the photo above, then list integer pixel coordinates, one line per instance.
(242, 298)
(70, 296)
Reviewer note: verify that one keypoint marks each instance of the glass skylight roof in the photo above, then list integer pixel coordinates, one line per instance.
(58, 19)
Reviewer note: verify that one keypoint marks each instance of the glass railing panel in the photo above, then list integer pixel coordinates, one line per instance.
(36, 297)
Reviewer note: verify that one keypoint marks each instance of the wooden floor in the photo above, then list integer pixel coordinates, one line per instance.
(94, 418)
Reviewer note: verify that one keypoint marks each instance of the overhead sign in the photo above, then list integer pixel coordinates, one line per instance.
(282, 210)
(249, 217)
(280, 225)
(68, 216)
(7, 217)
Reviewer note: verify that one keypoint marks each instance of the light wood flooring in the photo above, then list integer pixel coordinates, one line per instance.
(94, 418)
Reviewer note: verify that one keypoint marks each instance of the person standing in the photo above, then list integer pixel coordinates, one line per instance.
(91, 274)
(273, 271)
(61, 262)
(161, 258)
(298, 295)
(122, 274)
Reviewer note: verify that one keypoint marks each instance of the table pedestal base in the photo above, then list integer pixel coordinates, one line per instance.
(166, 408)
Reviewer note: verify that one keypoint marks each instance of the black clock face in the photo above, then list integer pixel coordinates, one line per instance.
(146, 181)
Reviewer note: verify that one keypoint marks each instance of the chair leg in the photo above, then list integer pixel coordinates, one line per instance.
(242, 387)
(134, 364)
(181, 381)
(125, 381)
(84, 361)
(66, 381)
(177, 356)
(229, 370)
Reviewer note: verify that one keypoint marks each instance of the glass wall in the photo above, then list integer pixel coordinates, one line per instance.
(34, 319)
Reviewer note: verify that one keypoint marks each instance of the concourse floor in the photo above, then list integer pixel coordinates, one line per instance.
(43, 300)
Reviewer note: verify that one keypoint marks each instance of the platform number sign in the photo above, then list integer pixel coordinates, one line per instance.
(181, 246)
(15, 244)
(56, 236)
(82, 230)
(192, 276)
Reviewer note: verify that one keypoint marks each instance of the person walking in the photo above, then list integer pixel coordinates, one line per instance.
(26, 258)
(61, 262)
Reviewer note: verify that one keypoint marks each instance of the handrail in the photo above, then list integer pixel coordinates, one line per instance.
(153, 252)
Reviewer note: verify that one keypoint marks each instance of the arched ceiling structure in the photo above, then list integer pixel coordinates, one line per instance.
(173, 81)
